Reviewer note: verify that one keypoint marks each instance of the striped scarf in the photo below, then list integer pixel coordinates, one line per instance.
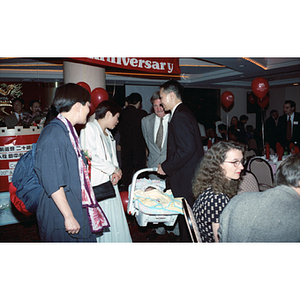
(96, 216)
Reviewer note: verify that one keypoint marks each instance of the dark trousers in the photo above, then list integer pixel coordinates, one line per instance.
(133, 159)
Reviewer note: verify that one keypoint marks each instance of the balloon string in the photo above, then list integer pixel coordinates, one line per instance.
(227, 127)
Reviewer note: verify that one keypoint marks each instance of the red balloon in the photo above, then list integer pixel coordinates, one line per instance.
(124, 198)
(98, 95)
(263, 102)
(92, 109)
(85, 85)
(260, 87)
(227, 99)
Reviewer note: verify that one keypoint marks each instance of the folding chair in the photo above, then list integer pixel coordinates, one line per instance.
(263, 172)
(191, 222)
(248, 183)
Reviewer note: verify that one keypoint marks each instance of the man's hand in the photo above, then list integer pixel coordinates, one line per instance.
(160, 171)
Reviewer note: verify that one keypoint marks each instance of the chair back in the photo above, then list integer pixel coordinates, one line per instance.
(248, 183)
(263, 172)
(191, 222)
(249, 153)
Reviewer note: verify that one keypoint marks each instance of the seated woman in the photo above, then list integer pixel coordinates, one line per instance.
(216, 181)
(97, 139)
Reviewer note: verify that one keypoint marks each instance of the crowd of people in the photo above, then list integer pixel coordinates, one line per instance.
(205, 169)
(34, 116)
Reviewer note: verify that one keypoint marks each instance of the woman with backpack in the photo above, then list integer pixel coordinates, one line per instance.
(67, 210)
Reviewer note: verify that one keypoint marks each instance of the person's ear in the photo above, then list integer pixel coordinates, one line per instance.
(108, 114)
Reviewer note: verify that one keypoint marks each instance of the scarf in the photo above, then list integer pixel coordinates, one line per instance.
(96, 216)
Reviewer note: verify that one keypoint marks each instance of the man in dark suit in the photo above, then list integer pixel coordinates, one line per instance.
(184, 148)
(15, 119)
(133, 146)
(285, 136)
(271, 135)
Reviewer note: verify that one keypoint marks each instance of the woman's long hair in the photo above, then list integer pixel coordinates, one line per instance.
(209, 172)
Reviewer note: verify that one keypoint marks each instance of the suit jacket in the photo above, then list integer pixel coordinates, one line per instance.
(130, 127)
(271, 135)
(269, 216)
(156, 155)
(281, 126)
(11, 121)
(184, 152)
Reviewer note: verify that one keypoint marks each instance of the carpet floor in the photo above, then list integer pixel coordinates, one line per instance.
(28, 232)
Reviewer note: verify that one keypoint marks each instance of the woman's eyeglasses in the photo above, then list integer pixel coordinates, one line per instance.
(236, 163)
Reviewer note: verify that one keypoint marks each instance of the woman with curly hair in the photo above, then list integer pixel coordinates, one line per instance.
(215, 182)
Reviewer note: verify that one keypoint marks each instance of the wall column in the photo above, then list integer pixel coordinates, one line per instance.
(92, 75)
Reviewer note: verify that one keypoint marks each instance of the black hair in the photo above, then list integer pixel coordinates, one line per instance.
(18, 99)
(33, 101)
(134, 98)
(106, 106)
(68, 94)
(173, 86)
(291, 102)
(243, 117)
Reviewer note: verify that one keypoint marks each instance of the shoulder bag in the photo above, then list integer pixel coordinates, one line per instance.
(104, 190)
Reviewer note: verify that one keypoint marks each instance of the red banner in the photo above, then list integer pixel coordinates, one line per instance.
(150, 65)
(13, 144)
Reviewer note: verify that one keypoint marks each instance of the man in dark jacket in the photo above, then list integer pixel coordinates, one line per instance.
(133, 146)
(290, 117)
(184, 148)
(271, 129)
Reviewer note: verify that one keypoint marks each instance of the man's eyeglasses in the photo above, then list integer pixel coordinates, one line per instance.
(236, 163)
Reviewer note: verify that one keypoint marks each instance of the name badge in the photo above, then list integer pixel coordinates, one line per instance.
(295, 122)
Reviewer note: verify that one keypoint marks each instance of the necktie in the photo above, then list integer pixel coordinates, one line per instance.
(159, 135)
(289, 129)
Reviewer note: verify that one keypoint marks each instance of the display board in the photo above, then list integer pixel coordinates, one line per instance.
(13, 144)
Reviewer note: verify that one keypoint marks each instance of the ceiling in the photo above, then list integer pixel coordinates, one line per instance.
(208, 72)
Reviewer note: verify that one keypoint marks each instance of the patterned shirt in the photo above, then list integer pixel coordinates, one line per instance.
(207, 209)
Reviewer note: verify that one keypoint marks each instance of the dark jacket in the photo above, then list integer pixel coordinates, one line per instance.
(184, 152)
(56, 165)
(281, 126)
(271, 135)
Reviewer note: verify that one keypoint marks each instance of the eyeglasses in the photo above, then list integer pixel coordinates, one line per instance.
(236, 163)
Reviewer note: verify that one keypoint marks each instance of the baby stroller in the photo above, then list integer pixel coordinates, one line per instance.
(154, 206)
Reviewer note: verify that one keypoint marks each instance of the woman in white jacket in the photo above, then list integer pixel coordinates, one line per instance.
(97, 139)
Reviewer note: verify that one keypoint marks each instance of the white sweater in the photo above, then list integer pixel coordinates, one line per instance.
(93, 139)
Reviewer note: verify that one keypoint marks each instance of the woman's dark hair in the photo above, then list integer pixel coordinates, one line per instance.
(68, 94)
(209, 172)
(288, 172)
(106, 106)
